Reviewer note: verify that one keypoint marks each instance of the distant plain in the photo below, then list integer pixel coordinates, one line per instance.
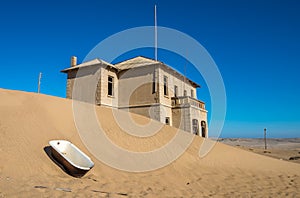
(281, 148)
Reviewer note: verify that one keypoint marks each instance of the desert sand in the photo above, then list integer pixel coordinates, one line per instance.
(28, 121)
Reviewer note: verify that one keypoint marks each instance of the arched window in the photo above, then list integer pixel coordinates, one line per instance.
(195, 126)
(203, 128)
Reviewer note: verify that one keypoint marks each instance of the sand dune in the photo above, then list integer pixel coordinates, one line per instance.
(28, 121)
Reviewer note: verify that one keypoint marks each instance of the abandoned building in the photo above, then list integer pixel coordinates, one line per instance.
(167, 95)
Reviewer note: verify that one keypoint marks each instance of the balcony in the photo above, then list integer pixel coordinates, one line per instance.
(187, 100)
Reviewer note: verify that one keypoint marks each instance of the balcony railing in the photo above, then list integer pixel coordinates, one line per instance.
(186, 100)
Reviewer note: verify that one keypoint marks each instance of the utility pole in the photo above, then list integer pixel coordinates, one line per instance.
(265, 138)
(39, 82)
(184, 87)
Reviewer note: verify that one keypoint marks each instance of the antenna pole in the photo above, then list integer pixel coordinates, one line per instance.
(39, 82)
(155, 32)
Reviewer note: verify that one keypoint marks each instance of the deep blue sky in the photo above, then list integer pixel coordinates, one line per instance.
(256, 45)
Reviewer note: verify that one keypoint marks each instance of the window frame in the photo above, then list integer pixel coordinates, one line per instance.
(167, 121)
(192, 93)
(112, 86)
(195, 125)
(175, 91)
(166, 92)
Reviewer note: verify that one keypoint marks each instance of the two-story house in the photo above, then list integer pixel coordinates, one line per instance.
(146, 87)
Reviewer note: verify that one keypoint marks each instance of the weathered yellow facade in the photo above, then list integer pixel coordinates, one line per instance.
(146, 87)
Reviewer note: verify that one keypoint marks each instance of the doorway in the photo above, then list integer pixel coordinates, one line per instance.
(195, 126)
(203, 128)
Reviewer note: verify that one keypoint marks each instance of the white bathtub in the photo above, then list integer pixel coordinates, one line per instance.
(72, 158)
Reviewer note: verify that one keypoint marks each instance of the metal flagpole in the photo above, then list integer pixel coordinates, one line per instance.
(155, 74)
(155, 32)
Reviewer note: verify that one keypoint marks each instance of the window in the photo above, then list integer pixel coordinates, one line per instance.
(165, 85)
(154, 82)
(184, 93)
(167, 120)
(192, 93)
(110, 86)
(203, 128)
(175, 91)
(195, 126)
(153, 87)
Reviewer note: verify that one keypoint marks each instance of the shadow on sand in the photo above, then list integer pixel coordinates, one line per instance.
(47, 150)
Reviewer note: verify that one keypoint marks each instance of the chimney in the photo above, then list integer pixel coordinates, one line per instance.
(73, 61)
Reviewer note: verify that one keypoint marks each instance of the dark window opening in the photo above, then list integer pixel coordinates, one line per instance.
(195, 126)
(165, 85)
(110, 86)
(167, 121)
(154, 82)
(153, 87)
(203, 128)
(175, 91)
